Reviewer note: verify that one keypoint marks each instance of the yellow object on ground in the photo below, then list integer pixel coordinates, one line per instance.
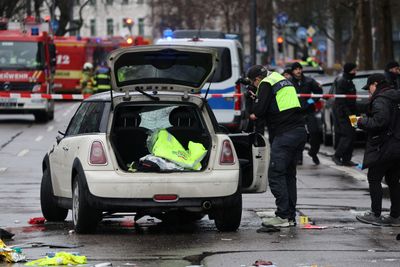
(10, 255)
(60, 258)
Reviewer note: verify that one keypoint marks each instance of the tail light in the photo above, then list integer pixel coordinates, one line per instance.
(97, 155)
(238, 98)
(227, 153)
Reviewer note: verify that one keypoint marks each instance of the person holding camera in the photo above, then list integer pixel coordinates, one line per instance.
(278, 105)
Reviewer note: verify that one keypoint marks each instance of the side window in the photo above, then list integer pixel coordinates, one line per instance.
(92, 118)
(223, 71)
(76, 121)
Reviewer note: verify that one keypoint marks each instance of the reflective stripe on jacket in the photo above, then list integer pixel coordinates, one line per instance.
(285, 93)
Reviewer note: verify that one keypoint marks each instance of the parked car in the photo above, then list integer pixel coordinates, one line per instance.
(328, 127)
(95, 167)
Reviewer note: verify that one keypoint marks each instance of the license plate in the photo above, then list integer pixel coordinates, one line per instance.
(8, 102)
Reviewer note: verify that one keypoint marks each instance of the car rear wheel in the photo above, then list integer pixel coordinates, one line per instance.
(51, 211)
(84, 217)
(229, 216)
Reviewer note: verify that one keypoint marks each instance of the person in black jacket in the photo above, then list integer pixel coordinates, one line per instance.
(392, 74)
(342, 109)
(382, 153)
(277, 103)
(307, 85)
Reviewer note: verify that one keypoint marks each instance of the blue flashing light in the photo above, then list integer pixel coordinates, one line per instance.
(98, 40)
(35, 31)
(168, 34)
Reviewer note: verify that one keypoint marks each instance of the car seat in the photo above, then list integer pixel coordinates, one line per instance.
(130, 138)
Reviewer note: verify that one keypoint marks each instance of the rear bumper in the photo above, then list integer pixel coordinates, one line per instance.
(111, 184)
(116, 193)
(23, 105)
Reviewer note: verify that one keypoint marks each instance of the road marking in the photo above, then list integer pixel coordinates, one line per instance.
(50, 128)
(39, 138)
(3, 169)
(23, 153)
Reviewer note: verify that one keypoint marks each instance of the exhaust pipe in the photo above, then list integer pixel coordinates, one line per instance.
(206, 205)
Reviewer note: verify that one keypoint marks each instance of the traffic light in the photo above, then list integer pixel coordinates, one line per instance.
(128, 22)
(279, 40)
(309, 41)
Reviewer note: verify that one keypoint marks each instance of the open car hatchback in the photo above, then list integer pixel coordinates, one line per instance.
(152, 146)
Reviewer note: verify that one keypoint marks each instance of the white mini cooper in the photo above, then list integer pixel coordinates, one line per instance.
(94, 167)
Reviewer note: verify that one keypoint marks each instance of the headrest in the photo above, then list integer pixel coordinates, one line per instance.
(182, 117)
(129, 120)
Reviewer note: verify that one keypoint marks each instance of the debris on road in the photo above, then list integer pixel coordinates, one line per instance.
(11, 255)
(4, 234)
(60, 258)
(310, 226)
(398, 237)
(37, 220)
(269, 229)
(263, 263)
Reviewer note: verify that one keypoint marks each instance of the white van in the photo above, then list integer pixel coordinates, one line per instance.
(225, 97)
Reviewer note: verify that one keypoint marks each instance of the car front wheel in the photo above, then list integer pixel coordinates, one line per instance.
(229, 216)
(84, 217)
(51, 211)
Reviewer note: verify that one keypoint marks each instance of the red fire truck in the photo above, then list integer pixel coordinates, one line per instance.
(73, 52)
(27, 64)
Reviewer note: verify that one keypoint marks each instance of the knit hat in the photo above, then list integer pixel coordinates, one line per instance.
(255, 71)
(349, 66)
(392, 64)
(374, 78)
(296, 65)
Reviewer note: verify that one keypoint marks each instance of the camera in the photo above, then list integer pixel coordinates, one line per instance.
(250, 89)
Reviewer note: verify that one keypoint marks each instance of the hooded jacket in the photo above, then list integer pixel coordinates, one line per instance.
(393, 79)
(306, 85)
(377, 124)
(344, 85)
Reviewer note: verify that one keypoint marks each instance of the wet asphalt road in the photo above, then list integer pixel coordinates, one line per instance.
(329, 195)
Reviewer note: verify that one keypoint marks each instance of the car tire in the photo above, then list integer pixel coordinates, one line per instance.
(50, 210)
(84, 217)
(42, 116)
(229, 216)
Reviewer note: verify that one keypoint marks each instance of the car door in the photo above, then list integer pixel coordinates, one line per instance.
(253, 151)
(61, 157)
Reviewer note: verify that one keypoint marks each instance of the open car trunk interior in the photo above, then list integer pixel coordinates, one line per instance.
(133, 124)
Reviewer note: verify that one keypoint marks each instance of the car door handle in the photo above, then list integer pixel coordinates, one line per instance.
(65, 148)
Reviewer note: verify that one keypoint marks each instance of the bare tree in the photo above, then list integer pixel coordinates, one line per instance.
(11, 8)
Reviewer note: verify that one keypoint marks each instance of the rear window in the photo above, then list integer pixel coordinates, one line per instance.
(223, 71)
(359, 82)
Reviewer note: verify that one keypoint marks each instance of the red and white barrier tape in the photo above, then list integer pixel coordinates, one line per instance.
(81, 97)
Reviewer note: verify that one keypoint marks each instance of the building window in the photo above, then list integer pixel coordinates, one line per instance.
(141, 26)
(110, 27)
(140, 2)
(125, 2)
(109, 2)
(92, 27)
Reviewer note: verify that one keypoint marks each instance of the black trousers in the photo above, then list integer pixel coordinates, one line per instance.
(282, 170)
(391, 172)
(346, 136)
(314, 135)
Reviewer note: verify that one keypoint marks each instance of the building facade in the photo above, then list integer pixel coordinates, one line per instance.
(105, 18)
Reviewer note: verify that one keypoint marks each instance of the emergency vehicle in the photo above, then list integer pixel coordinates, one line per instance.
(73, 52)
(27, 64)
(225, 96)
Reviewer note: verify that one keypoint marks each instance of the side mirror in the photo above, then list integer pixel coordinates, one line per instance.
(59, 138)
